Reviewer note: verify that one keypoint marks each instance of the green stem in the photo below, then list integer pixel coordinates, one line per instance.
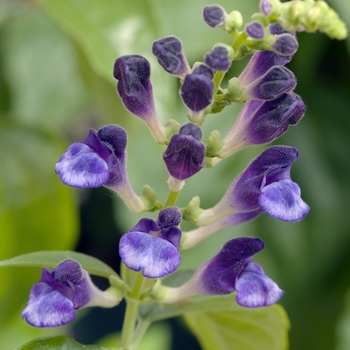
(172, 198)
(131, 314)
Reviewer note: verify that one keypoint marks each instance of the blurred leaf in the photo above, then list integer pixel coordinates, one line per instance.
(52, 258)
(56, 343)
(40, 69)
(225, 326)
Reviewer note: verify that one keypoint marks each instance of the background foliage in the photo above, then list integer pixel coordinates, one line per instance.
(56, 81)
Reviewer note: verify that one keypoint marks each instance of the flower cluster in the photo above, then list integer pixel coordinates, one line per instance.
(152, 248)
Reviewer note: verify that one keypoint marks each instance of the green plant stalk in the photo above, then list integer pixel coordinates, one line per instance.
(172, 198)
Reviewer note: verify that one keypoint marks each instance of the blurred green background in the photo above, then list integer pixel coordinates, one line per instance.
(56, 59)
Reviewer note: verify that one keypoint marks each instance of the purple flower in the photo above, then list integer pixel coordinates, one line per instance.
(185, 154)
(153, 246)
(59, 292)
(215, 16)
(232, 270)
(261, 122)
(198, 88)
(170, 56)
(99, 160)
(218, 59)
(285, 44)
(135, 89)
(266, 185)
(255, 30)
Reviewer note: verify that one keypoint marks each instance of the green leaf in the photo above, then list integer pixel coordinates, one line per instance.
(51, 258)
(225, 325)
(57, 343)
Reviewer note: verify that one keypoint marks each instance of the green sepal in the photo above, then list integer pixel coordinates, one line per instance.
(172, 127)
(57, 343)
(51, 258)
(149, 199)
(214, 144)
(233, 21)
(193, 210)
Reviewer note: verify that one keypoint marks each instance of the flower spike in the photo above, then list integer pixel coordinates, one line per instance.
(135, 89)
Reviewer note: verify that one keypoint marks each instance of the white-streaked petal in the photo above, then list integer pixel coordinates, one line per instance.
(155, 257)
(255, 289)
(282, 200)
(81, 167)
(49, 308)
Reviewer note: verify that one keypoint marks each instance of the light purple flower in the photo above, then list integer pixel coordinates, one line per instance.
(215, 16)
(232, 270)
(59, 292)
(135, 89)
(153, 246)
(261, 122)
(170, 56)
(266, 185)
(185, 153)
(100, 160)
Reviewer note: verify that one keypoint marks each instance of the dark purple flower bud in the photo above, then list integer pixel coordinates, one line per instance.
(153, 247)
(264, 184)
(185, 153)
(218, 59)
(232, 270)
(255, 30)
(135, 89)
(203, 69)
(285, 44)
(197, 89)
(215, 16)
(261, 122)
(99, 160)
(61, 291)
(170, 55)
(276, 81)
(169, 217)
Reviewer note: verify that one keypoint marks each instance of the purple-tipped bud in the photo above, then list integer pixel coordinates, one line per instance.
(255, 30)
(218, 59)
(185, 153)
(266, 7)
(276, 81)
(153, 247)
(197, 89)
(134, 85)
(264, 184)
(232, 270)
(215, 16)
(61, 291)
(170, 55)
(285, 44)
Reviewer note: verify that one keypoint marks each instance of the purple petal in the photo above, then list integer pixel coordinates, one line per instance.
(218, 59)
(255, 289)
(282, 200)
(197, 92)
(81, 167)
(48, 307)
(255, 30)
(170, 56)
(169, 217)
(285, 44)
(214, 16)
(115, 136)
(265, 7)
(154, 257)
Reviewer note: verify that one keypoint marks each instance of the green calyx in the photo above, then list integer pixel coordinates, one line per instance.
(193, 210)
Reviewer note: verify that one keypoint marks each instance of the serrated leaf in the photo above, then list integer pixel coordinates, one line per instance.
(225, 326)
(51, 258)
(57, 343)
